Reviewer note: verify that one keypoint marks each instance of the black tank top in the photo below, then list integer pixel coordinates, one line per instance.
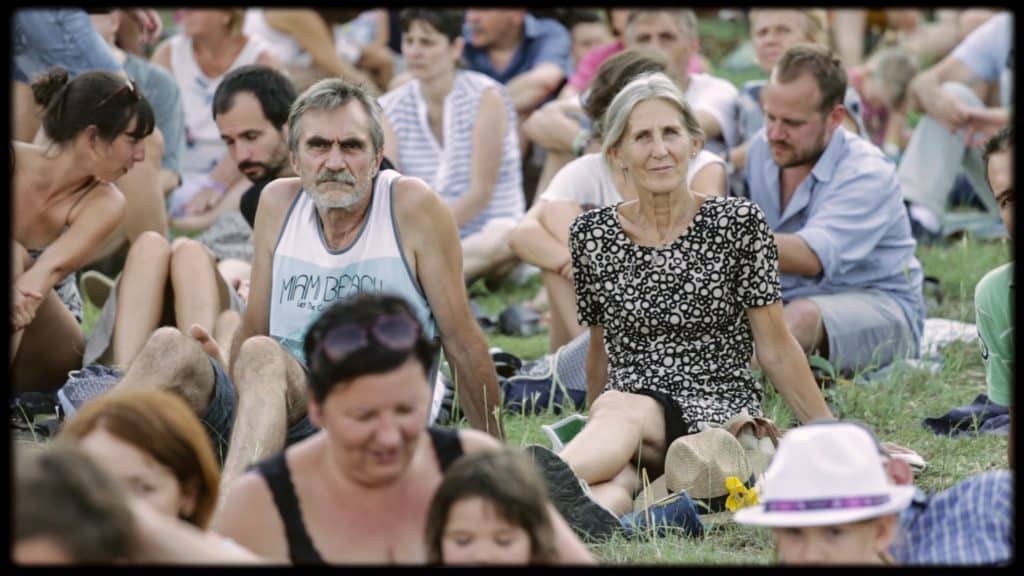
(447, 448)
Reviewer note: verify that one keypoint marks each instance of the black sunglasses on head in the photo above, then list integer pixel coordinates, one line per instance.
(397, 332)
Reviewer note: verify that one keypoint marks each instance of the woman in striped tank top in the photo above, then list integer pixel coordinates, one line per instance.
(455, 129)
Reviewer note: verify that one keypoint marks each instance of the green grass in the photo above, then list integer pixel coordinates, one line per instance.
(893, 407)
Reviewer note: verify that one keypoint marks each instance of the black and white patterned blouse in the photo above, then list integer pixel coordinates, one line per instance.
(674, 316)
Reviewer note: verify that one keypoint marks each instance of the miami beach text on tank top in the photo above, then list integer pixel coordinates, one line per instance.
(308, 276)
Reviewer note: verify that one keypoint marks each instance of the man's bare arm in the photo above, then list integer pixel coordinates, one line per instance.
(270, 213)
(428, 229)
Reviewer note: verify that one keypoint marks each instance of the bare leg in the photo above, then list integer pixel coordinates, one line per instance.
(556, 217)
(224, 330)
(20, 259)
(172, 361)
(41, 365)
(25, 112)
(803, 318)
(488, 250)
(199, 292)
(140, 295)
(620, 424)
(617, 493)
(562, 304)
(36, 364)
(271, 397)
(552, 164)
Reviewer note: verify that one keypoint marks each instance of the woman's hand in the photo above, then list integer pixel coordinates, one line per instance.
(24, 307)
(565, 270)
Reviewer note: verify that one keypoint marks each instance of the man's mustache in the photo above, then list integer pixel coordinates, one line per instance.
(341, 176)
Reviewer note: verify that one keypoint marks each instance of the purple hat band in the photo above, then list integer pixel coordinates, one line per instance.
(826, 503)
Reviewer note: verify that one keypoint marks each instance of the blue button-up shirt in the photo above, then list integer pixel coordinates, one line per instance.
(968, 524)
(544, 40)
(849, 210)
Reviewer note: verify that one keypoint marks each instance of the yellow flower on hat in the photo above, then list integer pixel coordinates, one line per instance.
(739, 495)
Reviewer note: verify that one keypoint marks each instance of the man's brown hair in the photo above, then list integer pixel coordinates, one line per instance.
(822, 64)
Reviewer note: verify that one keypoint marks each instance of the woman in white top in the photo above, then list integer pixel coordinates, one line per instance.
(542, 237)
(211, 43)
(455, 129)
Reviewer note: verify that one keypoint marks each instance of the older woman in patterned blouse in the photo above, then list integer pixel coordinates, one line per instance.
(675, 287)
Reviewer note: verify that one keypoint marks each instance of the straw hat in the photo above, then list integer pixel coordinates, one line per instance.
(826, 475)
(700, 463)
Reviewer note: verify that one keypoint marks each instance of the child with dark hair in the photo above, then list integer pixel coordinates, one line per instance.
(491, 508)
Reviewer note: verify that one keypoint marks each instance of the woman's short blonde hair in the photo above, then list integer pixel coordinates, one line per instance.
(640, 89)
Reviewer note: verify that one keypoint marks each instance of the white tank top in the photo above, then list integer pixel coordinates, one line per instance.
(308, 276)
(285, 47)
(203, 146)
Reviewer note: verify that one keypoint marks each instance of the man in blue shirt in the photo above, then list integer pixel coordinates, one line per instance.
(530, 56)
(850, 281)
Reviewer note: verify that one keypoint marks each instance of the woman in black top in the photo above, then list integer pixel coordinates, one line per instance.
(358, 491)
(676, 288)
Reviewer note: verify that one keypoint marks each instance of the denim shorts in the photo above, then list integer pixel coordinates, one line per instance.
(220, 416)
(58, 37)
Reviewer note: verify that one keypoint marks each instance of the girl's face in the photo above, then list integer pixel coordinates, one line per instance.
(139, 473)
(477, 533)
(855, 543)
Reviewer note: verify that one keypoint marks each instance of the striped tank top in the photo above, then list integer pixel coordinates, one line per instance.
(308, 276)
(448, 168)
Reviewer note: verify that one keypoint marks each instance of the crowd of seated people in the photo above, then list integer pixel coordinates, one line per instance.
(244, 243)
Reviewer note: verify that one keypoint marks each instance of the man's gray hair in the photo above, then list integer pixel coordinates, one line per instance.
(330, 94)
(686, 20)
(640, 89)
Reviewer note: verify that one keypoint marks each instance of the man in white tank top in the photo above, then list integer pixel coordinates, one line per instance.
(339, 205)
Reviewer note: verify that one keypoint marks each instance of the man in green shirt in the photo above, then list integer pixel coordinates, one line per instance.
(993, 297)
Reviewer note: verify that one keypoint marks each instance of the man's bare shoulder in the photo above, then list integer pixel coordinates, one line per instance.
(416, 203)
(275, 200)
(280, 192)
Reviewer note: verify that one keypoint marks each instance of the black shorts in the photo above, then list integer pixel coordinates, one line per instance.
(675, 425)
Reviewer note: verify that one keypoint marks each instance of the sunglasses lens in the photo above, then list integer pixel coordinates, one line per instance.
(396, 331)
(342, 341)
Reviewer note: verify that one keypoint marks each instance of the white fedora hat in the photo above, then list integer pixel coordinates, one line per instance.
(824, 475)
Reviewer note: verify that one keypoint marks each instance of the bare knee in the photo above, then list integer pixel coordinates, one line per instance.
(803, 318)
(188, 252)
(173, 361)
(612, 404)
(261, 364)
(151, 244)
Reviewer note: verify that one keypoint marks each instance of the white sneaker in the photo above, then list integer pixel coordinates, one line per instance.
(561, 432)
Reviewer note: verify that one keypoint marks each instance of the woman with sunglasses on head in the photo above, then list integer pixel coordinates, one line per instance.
(358, 491)
(65, 205)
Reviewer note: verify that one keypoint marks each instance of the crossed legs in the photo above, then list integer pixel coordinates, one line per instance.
(625, 432)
